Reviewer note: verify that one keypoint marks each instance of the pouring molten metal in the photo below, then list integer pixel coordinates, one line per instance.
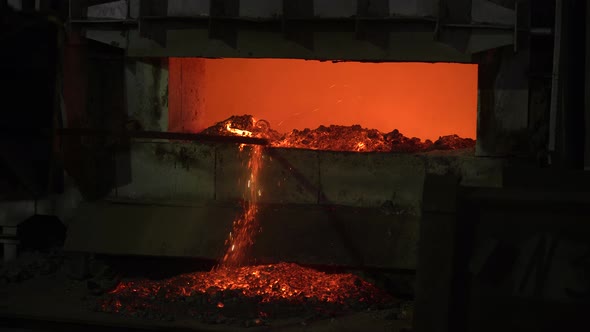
(266, 291)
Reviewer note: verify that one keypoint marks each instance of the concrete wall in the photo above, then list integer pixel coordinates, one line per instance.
(146, 85)
(194, 172)
(317, 207)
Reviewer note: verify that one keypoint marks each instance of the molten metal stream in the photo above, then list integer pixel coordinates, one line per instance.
(232, 285)
(245, 227)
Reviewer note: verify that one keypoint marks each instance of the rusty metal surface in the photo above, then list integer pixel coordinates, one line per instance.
(293, 29)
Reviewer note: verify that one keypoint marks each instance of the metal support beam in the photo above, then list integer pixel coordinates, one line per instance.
(151, 8)
(568, 92)
(299, 24)
(161, 135)
(295, 13)
(555, 96)
(452, 16)
(587, 94)
(370, 29)
(221, 25)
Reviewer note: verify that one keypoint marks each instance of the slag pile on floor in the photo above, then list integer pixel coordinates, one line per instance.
(336, 138)
(248, 293)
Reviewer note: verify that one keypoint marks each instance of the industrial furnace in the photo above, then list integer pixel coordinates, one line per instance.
(283, 143)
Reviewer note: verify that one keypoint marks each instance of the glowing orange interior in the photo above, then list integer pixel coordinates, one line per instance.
(419, 99)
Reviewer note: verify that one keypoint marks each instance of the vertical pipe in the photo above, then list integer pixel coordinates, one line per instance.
(555, 96)
(516, 23)
(587, 94)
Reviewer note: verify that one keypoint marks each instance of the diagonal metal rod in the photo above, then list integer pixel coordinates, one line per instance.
(163, 135)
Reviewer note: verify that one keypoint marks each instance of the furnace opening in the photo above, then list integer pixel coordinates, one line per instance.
(339, 106)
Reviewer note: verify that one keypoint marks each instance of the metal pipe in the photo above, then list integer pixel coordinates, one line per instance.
(392, 20)
(162, 135)
(515, 27)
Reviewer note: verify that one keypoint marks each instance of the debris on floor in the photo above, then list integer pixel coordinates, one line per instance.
(247, 296)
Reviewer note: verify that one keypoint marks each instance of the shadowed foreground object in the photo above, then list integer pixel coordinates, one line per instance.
(41, 232)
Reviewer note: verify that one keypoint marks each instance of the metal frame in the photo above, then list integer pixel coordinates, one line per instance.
(297, 23)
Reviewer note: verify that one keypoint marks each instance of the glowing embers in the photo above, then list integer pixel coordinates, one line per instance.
(244, 125)
(237, 131)
(337, 138)
(253, 292)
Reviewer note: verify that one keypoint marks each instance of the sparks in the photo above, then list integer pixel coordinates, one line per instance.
(246, 226)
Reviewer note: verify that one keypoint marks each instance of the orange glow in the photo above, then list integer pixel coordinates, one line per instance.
(419, 99)
(236, 131)
(286, 282)
(335, 138)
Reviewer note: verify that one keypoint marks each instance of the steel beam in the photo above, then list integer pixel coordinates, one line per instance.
(161, 135)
